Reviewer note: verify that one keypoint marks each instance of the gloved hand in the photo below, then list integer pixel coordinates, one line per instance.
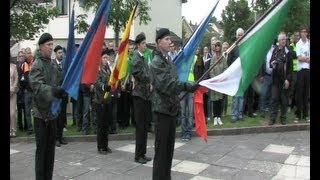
(107, 87)
(191, 87)
(58, 92)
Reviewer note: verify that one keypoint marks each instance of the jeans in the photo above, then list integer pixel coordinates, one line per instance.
(86, 112)
(186, 117)
(28, 105)
(265, 94)
(209, 106)
(237, 107)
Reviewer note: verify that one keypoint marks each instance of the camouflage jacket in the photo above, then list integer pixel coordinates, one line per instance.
(166, 86)
(141, 74)
(99, 86)
(43, 77)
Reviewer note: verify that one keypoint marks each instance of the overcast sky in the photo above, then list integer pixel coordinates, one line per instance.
(195, 10)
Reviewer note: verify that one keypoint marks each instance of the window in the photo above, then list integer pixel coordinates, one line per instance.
(63, 6)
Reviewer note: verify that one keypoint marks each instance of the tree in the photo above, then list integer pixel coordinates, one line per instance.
(28, 18)
(298, 15)
(235, 15)
(120, 12)
(260, 7)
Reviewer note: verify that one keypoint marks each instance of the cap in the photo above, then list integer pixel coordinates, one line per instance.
(45, 37)
(140, 37)
(162, 33)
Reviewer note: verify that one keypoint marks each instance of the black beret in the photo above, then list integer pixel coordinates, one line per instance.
(45, 37)
(162, 33)
(140, 37)
(58, 47)
(107, 51)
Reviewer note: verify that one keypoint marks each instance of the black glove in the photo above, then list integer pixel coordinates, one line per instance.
(191, 87)
(107, 87)
(58, 92)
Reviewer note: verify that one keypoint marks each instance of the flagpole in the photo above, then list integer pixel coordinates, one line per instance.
(235, 44)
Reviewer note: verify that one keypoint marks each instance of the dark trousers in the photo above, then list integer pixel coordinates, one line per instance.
(165, 133)
(150, 120)
(133, 121)
(142, 118)
(45, 133)
(28, 105)
(278, 96)
(124, 109)
(78, 111)
(303, 89)
(60, 120)
(104, 114)
(21, 117)
(217, 108)
(249, 101)
(114, 119)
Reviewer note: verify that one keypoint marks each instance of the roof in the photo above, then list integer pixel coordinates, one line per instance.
(175, 38)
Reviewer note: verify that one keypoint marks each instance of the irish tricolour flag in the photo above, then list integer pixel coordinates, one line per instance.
(253, 48)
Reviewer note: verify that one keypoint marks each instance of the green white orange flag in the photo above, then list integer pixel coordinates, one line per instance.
(121, 60)
(253, 48)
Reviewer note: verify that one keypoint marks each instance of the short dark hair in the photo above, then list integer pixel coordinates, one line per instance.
(58, 47)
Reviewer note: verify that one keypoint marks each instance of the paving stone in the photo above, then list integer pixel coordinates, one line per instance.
(219, 172)
(279, 149)
(225, 156)
(244, 152)
(273, 157)
(202, 178)
(12, 151)
(264, 166)
(292, 159)
(190, 167)
(288, 170)
(304, 161)
(232, 162)
(303, 172)
(251, 175)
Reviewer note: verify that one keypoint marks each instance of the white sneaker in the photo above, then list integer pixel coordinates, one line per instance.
(215, 121)
(219, 121)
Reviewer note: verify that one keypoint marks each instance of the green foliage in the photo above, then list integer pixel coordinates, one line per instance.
(260, 7)
(298, 15)
(120, 12)
(27, 19)
(80, 23)
(236, 14)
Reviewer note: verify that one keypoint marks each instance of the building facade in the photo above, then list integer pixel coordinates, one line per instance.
(164, 13)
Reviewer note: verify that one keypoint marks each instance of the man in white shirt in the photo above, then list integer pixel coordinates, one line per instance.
(303, 76)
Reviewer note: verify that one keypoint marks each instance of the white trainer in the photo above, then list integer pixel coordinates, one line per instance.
(215, 121)
(219, 121)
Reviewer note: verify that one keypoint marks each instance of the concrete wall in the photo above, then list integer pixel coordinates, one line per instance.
(164, 13)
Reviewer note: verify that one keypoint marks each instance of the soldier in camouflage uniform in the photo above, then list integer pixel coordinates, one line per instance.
(44, 83)
(141, 99)
(165, 104)
(101, 106)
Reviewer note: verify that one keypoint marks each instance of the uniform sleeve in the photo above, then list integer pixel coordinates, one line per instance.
(99, 84)
(41, 90)
(139, 71)
(163, 79)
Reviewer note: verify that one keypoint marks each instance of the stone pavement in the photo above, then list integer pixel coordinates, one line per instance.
(263, 156)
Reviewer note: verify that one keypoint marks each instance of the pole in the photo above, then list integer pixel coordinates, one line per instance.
(235, 44)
